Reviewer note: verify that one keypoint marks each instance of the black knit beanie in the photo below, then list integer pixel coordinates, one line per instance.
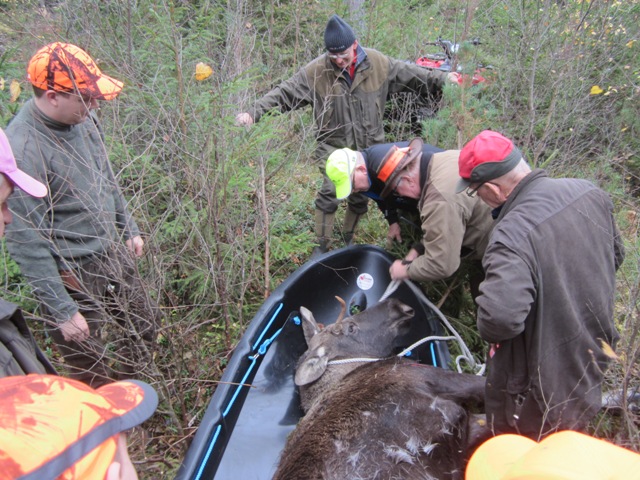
(338, 36)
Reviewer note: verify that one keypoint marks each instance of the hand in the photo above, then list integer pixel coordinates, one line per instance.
(135, 245)
(244, 119)
(398, 271)
(412, 255)
(76, 329)
(394, 233)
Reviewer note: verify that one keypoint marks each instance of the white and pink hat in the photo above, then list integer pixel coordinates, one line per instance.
(12, 172)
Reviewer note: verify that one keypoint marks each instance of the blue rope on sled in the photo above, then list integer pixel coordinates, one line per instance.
(261, 350)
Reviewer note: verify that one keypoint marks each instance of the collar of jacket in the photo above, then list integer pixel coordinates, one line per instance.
(362, 62)
(47, 121)
(523, 186)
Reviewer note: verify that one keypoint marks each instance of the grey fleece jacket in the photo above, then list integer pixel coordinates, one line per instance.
(81, 217)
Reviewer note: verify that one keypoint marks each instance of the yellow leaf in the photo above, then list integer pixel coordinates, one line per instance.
(1, 83)
(203, 71)
(608, 351)
(15, 90)
(630, 43)
(596, 90)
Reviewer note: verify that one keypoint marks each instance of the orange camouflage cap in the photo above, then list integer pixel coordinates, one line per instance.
(64, 67)
(56, 427)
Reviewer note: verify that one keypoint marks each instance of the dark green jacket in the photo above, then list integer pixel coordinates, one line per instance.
(19, 354)
(349, 114)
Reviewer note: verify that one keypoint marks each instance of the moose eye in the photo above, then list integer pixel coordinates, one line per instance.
(351, 328)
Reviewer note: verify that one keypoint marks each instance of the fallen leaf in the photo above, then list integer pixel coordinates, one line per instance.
(14, 90)
(607, 350)
(203, 71)
(596, 90)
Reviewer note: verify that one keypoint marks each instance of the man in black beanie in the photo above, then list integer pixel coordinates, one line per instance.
(347, 87)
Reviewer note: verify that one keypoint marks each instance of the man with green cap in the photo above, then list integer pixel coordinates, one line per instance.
(346, 87)
(359, 172)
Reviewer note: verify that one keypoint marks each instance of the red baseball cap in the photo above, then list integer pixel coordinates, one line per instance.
(487, 156)
(12, 172)
(63, 67)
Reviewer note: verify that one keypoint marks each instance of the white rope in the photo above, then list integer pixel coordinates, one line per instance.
(420, 342)
(392, 287)
(466, 353)
(344, 361)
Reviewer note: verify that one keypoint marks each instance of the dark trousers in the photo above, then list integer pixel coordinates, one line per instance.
(122, 318)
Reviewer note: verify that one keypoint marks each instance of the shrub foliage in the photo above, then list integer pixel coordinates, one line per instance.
(227, 211)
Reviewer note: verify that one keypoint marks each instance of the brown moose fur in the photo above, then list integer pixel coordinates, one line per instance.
(391, 419)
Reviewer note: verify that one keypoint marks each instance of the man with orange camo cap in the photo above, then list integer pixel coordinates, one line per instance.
(56, 428)
(76, 246)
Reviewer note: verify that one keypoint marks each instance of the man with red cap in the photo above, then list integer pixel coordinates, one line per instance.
(76, 246)
(347, 88)
(546, 305)
(19, 353)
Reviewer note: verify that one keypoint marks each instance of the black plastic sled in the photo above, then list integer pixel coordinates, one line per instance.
(256, 405)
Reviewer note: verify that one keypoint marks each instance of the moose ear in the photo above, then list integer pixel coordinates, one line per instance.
(312, 367)
(309, 325)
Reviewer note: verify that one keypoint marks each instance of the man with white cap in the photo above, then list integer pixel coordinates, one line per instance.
(347, 87)
(19, 353)
(546, 305)
(359, 172)
(76, 246)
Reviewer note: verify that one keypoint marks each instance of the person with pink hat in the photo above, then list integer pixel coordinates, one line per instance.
(19, 353)
(546, 305)
(77, 246)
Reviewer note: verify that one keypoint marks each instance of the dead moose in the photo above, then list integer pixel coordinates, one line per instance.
(388, 419)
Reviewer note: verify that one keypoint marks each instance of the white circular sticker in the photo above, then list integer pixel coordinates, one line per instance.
(365, 281)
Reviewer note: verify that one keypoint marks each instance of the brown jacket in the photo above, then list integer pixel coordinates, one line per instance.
(548, 302)
(453, 224)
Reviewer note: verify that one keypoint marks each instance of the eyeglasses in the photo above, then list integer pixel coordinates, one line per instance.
(472, 192)
(81, 98)
(336, 56)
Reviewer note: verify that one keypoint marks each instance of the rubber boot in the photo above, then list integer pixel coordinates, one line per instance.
(324, 230)
(351, 220)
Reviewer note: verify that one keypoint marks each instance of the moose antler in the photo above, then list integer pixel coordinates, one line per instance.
(342, 310)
